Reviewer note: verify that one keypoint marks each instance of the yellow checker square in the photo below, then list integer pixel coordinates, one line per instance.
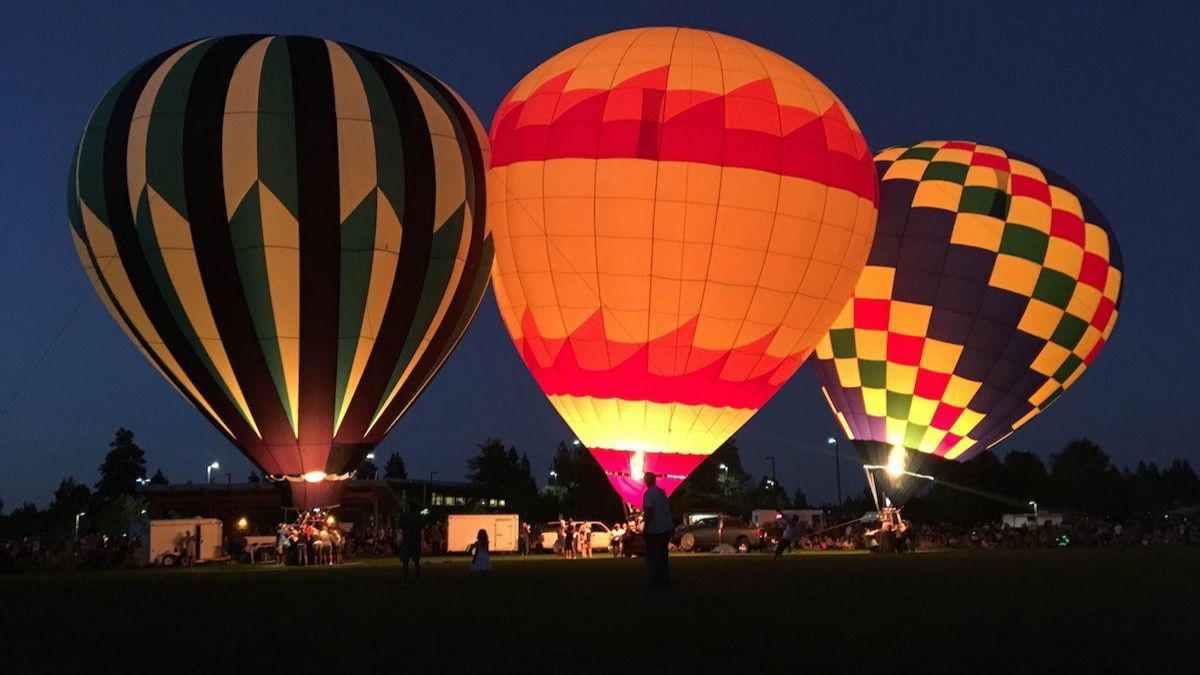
(956, 155)
(921, 411)
(960, 391)
(1040, 319)
(978, 230)
(1029, 212)
(1084, 302)
(1112, 286)
(930, 144)
(871, 345)
(875, 401)
(1044, 392)
(824, 348)
(848, 373)
(1065, 200)
(1064, 255)
(966, 422)
(938, 194)
(908, 318)
(932, 439)
(940, 357)
(906, 169)
(1050, 359)
(901, 379)
(1015, 274)
(1095, 240)
(981, 149)
(895, 430)
(845, 318)
(875, 283)
(890, 154)
(1090, 337)
(1022, 168)
(986, 176)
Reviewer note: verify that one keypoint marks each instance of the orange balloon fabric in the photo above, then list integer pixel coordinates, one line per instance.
(679, 216)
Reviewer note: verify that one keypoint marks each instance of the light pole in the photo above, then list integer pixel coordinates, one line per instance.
(837, 466)
(773, 479)
(77, 517)
(210, 468)
(426, 498)
(371, 459)
(1035, 511)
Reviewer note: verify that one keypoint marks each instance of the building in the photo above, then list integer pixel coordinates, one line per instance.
(365, 503)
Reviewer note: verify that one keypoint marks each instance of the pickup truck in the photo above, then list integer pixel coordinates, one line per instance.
(709, 532)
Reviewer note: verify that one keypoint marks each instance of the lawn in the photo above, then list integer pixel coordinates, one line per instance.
(959, 611)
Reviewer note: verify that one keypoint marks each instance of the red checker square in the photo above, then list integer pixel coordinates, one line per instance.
(905, 349)
(930, 384)
(1067, 225)
(1024, 186)
(990, 161)
(945, 416)
(1094, 272)
(1103, 314)
(871, 314)
(947, 444)
(1092, 354)
(958, 145)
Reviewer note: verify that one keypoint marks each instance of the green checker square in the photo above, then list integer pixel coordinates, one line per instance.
(842, 340)
(985, 200)
(948, 171)
(873, 374)
(1064, 371)
(913, 435)
(898, 405)
(1069, 331)
(1024, 242)
(1054, 287)
(1050, 399)
(919, 153)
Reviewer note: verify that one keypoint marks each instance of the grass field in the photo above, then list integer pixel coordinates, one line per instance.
(1059, 611)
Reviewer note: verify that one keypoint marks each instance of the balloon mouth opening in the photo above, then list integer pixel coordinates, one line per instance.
(314, 476)
(309, 477)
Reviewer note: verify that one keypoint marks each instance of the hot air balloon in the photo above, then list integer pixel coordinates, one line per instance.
(292, 231)
(992, 285)
(679, 216)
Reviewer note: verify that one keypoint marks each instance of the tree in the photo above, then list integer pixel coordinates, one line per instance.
(718, 483)
(579, 487)
(1082, 478)
(366, 471)
(124, 464)
(1023, 476)
(394, 469)
(70, 499)
(501, 472)
(252, 478)
(769, 495)
(800, 501)
(159, 478)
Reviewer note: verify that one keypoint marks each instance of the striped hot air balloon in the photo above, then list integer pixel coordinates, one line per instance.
(679, 216)
(292, 231)
(992, 285)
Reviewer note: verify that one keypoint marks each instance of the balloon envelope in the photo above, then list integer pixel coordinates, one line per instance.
(291, 230)
(992, 285)
(679, 216)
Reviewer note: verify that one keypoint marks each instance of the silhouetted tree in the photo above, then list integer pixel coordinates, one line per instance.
(252, 478)
(800, 500)
(394, 469)
(366, 471)
(70, 499)
(1082, 478)
(124, 464)
(768, 495)
(501, 472)
(159, 479)
(712, 487)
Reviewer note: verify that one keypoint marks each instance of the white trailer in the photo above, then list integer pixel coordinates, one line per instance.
(502, 528)
(163, 541)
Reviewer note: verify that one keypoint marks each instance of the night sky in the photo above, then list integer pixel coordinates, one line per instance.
(1104, 93)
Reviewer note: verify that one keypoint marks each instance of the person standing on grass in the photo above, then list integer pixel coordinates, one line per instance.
(410, 541)
(790, 532)
(481, 561)
(657, 513)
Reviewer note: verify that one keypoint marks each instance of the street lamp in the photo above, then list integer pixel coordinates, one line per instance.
(1035, 510)
(77, 517)
(553, 476)
(772, 467)
(722, 467)
(837, 465)
(210, 468)
(575, 442)
(426, 497)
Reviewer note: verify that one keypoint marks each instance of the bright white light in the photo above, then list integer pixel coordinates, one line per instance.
(370, 455)
(575, 442)
(637, 466)
(214, 465)
(314, 476)
(831, 440)
(897, 458)
(723, 467)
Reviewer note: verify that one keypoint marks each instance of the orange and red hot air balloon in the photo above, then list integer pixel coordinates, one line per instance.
(679, 216)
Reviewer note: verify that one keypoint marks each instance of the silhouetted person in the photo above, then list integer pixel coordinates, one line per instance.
(657, 513)
(790, 533)
(410, 540)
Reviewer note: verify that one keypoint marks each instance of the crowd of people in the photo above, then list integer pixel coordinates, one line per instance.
(313, 539)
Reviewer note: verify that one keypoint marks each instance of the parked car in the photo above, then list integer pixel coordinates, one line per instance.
(548, 538)
(709, 532)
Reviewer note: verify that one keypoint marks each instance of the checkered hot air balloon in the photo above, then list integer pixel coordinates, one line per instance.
(992, 285)
(291, 230)
(679, 216)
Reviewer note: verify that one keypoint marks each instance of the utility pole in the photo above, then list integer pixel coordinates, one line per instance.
(837, 466)
(773, 479)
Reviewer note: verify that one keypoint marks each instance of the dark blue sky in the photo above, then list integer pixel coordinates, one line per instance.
(1105, 93)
